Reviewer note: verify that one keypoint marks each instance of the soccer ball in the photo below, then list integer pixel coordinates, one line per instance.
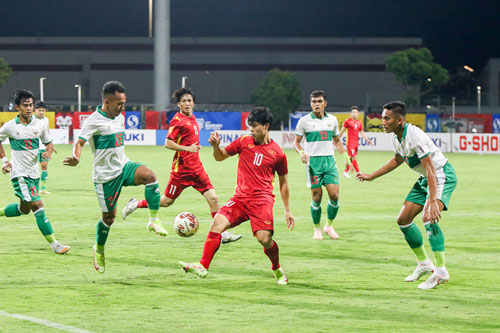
(186, 224)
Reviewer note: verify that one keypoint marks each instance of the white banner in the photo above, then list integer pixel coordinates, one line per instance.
(60, 136)
(132, 137)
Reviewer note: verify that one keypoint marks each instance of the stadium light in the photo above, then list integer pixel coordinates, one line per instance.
(184, 78)
(478, 99)
(79, 87)
(470, 69)
(41, 87)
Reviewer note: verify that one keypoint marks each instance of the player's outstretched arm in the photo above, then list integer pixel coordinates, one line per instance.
(77, 151)
(342, 149)
(285, 196)
(304, 157)
(6, 166)
(170, 144)
(365, 137)
(49, 148)
(219, 154)
(386, 168)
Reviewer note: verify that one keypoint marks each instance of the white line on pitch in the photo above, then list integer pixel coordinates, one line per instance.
(43, 322)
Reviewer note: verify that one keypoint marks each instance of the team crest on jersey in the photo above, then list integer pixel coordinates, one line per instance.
(271, 152)
(251, 145)
(330, 124)
(35, 132)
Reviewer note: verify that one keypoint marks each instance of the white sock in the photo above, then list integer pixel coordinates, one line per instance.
(426, 262)
(441, 271)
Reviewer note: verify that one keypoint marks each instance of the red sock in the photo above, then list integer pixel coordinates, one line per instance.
(212, 244)
(355, 165)
(274, 255)
(347, 167)
(213, 214)
(142, 204)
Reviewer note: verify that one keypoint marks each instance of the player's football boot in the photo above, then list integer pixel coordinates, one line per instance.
(346, 175)
(328, 229)
(317, 234)
(434, 280)
(99, 263)
(194, 267)
(227, 237)
(129, 208)
(60, 248)
(421, 270)
(157, 227)
(280, 276)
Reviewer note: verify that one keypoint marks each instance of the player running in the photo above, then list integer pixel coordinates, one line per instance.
(431, 193)
(187, 170)
(40, 109)
(321, 131)
(25, 134)
(259, 158)
(353, 127)
(104, 130)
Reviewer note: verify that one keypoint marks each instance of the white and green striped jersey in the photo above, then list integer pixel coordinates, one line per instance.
(414, 146)
(45, 121)
(25, 140)
(106, 139)
(319, 134)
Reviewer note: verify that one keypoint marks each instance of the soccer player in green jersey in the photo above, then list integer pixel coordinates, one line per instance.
(105, 130)
(321, 132)
(40, 109)
(430, 194)
(25, 134)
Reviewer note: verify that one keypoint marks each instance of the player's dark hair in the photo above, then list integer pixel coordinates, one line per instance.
(354, 107)
(21, 94)
(318, 93)
(40, 105)
(396, 107)
(177, 95)
(261, 115)
(112, 87)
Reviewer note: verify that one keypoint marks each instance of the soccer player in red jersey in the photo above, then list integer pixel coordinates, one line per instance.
(259, 158)
(353, 127)
(187, 170)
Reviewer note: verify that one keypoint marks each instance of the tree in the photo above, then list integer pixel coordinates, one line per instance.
(5, 72)
(280, 92)
(417, 71)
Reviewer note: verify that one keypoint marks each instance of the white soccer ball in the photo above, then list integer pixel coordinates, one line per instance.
(186, 224)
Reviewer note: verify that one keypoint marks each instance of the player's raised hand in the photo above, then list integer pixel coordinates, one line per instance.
(71, 161)
(290, 220)
(193, 148)
(214, 139)
(364, 176)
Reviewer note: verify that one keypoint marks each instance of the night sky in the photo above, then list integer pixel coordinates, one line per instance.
(458, 32)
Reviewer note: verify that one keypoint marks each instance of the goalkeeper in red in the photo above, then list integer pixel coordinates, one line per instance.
(353, 127)
(430, 194)
(259, 159)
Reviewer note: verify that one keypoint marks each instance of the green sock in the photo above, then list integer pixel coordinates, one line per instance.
(44, 225)
(45, 175)
(11, 210)
(102, 233)
(439, 255)
(413, 237)
(332, 209)
(436, 237)
(316, 211)
(152, 194)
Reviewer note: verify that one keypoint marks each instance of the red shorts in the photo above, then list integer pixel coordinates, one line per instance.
(177, 183)
(352, 151)
(260, 213)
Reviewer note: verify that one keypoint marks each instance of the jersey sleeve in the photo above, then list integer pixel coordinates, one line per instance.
(88, 129)
(235, 147)
(174, 129)
(345, 124)
(282, 165)
(419, 143)
(4, 133)
(336, 127)
(299, 130)
(46, 137)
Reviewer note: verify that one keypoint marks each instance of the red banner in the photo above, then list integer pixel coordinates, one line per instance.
(482, 123)
(244, 120)
(79, 118)
(64, 120)
(152, 119)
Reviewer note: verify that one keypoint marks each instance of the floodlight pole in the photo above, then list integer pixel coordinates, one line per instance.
(161, 72)
(478, 99)
(79, 87)
(184, 78)
(41, 87)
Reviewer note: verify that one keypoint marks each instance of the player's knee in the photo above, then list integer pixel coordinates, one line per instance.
(166, 201)
(149, 176)
(403, 220)
(108, 220)
(24, 209)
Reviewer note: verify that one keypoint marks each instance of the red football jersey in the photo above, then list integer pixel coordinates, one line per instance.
(256, 167)
(184, 131)
(353, 126)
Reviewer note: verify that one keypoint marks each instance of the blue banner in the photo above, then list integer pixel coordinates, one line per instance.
(432, 123)
(133, 119)
(495, 123)
(294, 117)
(215, 121)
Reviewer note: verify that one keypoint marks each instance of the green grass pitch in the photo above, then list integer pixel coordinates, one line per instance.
(350, 285)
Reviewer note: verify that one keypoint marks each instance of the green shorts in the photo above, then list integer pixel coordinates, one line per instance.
(321, 170)
(108, 193)
(446, 183)
(26, 188)
(40, 158)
